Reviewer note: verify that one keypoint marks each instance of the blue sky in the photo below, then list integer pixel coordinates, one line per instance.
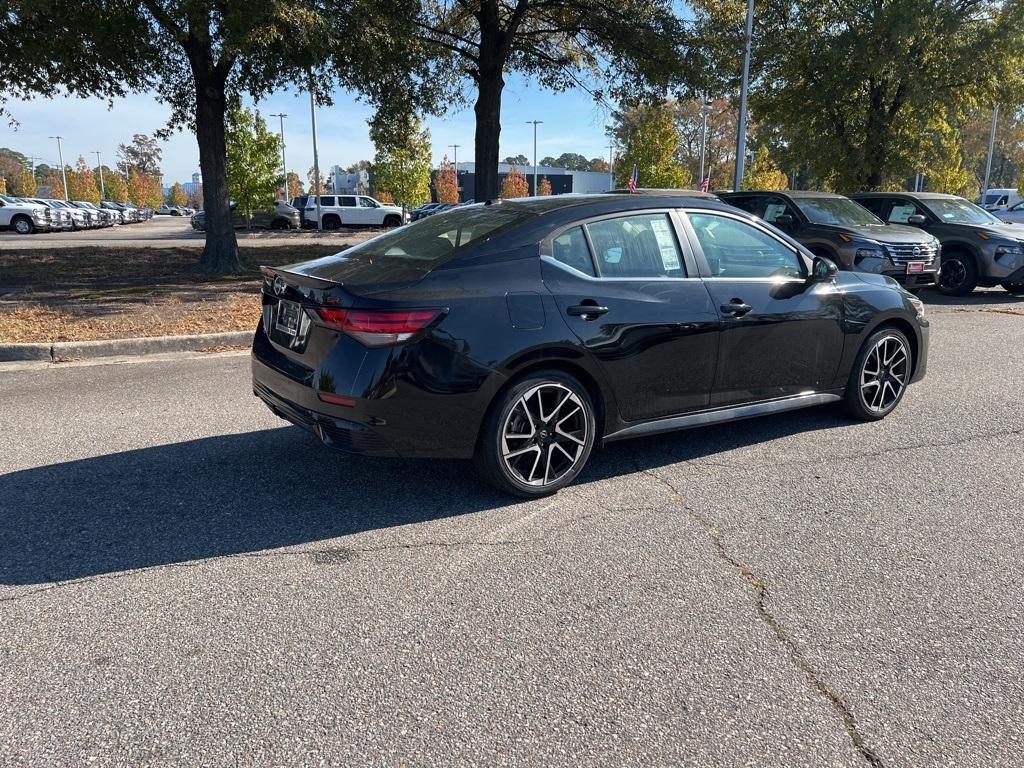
(572, 123)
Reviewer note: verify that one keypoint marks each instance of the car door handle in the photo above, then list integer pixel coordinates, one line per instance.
(586, 311)
(736, 308)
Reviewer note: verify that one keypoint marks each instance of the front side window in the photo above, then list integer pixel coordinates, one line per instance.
(366, 202)
(643, 245)
(571, 249)
(734, 248)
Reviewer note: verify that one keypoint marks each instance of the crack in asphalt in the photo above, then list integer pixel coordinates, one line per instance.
(761, 597)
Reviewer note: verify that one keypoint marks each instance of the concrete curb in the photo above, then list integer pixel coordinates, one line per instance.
(146, 345)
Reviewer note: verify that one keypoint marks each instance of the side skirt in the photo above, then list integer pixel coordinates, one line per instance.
(719, 415)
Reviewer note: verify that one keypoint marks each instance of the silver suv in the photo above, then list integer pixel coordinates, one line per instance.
(977, 248)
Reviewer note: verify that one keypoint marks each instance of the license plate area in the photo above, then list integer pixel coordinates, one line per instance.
(915, 267)
(288, 317)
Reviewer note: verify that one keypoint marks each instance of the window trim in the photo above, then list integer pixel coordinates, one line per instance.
(758, 224)
(689, 263)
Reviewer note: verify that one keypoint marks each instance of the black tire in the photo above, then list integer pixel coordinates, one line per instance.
(507, 465)
(392, 221)
(23, 225)
(858, 392)
(279, 224)
(332, 222)
(959, 275)
(1014, 289)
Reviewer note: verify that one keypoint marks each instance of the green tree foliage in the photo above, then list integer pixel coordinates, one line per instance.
(401, 166)
(863, 94)
(516, 160)
(177, 195)
(115, 184)
(143, 154)
(763, 173)
(252, 161)
(647, 132)
(564, 44)
(720, 146)
(42, 172)
(599, 165)
(446, 184)
(197, 56)
(573, 161)
(514, 184)
(548, 162)
(23, 184)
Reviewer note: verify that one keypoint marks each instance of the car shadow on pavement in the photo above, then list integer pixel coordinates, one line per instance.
(262, 490)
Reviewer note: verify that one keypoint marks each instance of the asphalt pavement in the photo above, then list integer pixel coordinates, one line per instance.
(186, 580)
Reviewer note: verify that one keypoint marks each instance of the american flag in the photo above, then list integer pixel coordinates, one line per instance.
(705, 184)
(633, 178)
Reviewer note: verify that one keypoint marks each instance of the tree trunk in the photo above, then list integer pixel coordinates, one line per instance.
(488, 132)
(220, 253)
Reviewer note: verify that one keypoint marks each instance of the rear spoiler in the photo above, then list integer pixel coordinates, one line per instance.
(298, 278)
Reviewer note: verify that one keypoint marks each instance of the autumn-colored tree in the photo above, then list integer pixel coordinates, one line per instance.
(720, 143)
(543, 187)
(82, 183)
(3, 185)
(316, 187)
(144, 189)
(384, 197)
(115, 185)
(294, 185)
(177, 196)
(599, 165)
(446, 183)
(648, 134)
(23, 184)
(195, 198)
(55, 185)
(763, 173)
(514, 184)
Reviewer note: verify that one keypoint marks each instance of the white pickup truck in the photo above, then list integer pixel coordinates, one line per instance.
(353, 211)
(23, 218)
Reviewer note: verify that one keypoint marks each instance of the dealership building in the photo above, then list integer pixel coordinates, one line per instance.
(562, 180)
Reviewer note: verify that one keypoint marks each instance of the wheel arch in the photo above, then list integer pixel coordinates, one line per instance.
(905, 327)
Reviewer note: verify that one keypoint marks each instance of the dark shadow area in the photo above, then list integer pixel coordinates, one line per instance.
(979, 299)
(263, 490)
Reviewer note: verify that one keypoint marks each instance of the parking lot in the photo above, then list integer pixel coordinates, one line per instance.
(165, 232)
(187, 580)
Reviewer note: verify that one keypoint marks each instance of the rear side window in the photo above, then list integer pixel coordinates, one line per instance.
(347, 202)
(409, 252)
(571, 249)
(636, 246)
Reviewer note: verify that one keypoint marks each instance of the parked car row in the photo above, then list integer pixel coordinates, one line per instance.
(174, 210)
(284, 216)
(27, 215)
(429, 209)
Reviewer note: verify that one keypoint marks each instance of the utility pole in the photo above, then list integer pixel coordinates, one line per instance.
(99, 167)
(991, 148)
(741, 132)
(705, 109)
(611, 167)
(63, 174)
(455, 155)
(284, 165)
(316, 157)
(534, 123)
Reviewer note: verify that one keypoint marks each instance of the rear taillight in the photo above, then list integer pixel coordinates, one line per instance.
(378, 327)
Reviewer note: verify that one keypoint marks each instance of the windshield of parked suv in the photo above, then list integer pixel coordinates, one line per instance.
(413, 250)
(835, 210)
(956, 210)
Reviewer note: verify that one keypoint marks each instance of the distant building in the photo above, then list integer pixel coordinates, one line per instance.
(563, 181)
(357, 183)
(193, 187)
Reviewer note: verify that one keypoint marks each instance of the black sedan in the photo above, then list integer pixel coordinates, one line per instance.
(521, 333)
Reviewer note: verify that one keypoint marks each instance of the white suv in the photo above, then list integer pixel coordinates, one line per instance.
(24, 218)
(354, 211)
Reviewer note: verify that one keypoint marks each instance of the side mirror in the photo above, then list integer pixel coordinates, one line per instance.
(917, 220)
(783, 221)
(822, 270)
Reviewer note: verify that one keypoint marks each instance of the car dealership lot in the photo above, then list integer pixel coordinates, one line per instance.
(184, 579)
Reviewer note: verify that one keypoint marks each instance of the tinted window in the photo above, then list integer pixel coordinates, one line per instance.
(873, 204)
(748, 204)
(736, 249)
(324, 200)
(347, 202)
(410, 252)
(571, 249)
(636, 246)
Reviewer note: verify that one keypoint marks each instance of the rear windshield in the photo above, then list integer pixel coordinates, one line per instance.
(409, 252)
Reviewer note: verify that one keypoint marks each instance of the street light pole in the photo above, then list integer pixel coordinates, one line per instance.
(99, 168)
(611, 167)
(991, 148)
(741, 131)
(284, 165)
(455, 155)
(63, 174)
(705, 108)
(316, 157)
(534, 123)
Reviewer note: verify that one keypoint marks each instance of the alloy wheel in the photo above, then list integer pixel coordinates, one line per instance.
(885, 374)
(953, 274)
(544, 435)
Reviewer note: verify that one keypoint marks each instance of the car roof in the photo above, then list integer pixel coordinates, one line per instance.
(604, 201)
(791, 193)
(915, 195)
(653, 191)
